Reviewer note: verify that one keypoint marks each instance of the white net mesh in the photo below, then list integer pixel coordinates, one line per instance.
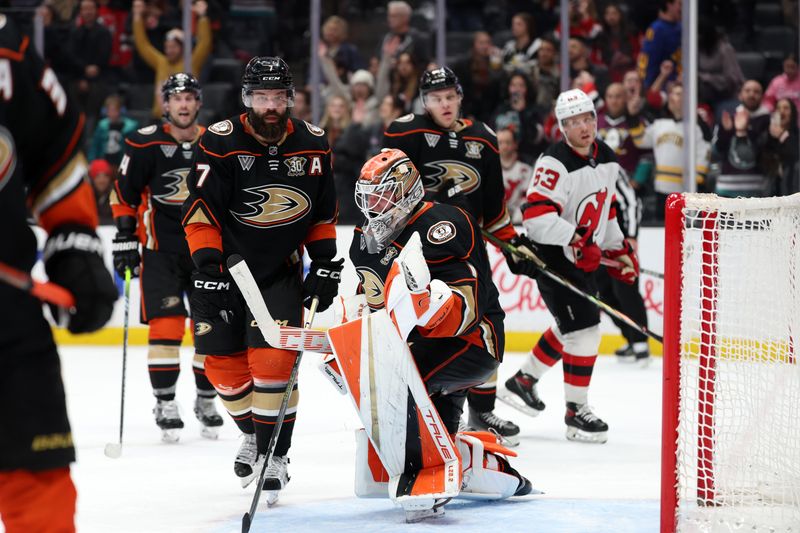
(738, 450)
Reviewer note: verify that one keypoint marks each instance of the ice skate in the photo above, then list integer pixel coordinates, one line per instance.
(206, 412)
(506, 431)
(246, 464)
(419, 509)
(583, 425)
(638, 354)
(168, 418)
(520, 393)
(275, 478)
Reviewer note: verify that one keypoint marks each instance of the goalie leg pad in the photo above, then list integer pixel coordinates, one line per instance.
(372, 481)
(486, 475)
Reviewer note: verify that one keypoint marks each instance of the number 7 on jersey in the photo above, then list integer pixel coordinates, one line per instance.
(203, 169)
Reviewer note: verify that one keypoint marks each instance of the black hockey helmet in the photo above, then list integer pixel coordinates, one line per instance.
(439, 78)
(266, 73)
(179, 83)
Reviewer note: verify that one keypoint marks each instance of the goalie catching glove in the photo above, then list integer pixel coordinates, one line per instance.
(629, 270)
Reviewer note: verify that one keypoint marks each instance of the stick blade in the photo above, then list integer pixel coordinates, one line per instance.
(244, 279)
(246, 523)
(113, 450)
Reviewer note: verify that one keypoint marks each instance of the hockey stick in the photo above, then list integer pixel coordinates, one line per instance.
(46, 291)
(252, 295)
(613, 263)
(561, 280)
(114, 449)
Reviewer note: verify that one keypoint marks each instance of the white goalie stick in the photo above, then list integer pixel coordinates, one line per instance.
(283, 337)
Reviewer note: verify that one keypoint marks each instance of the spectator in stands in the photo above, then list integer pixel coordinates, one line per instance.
(480, 72)
(302, 105)
(359, 91)
(519, 114)
(718, 72)
(101, 174)
(335, 118)
(634, 95)
(108, 140)
(582, 21)
(516, 174)
(518, 52)
(334, 46)
(405, 82)
(662, 41)
(56, 33)
(780, 151)
(618, 44)
(614, 125)
(114, 17)
(739, 141)
(546, 73)
(90, 48)
(784, 85)
(579, 61)
(171, 61)
(402, 37)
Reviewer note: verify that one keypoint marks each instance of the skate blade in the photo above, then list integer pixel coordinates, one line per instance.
(170, 436)
(644, 362)
(509, 398)
(245, 481)
(414, 516)
(272, 497)
(210, 432)
(578, 435)
(626, 359)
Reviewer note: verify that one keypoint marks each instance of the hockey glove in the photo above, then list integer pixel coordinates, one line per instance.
(212, 297)
(627, 256)
(519, 265)
(73, 258)
(125, 249)
(451, 193)
(587, 253)
(322, 281)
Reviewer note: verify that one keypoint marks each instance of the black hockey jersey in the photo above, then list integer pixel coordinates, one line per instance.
(467, 155)
(454, 250)
(42, 169)
(151, 182)
(264, 202)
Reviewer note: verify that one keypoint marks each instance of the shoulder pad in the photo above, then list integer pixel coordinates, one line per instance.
(223, 127)
(405, 118)
(148, 130)
(315, 130)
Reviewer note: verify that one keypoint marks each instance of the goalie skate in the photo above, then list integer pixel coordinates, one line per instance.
(424, 509)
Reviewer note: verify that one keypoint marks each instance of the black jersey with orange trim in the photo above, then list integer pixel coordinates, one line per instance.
(42, 169)
(264, 202)
(467, 155)
(151, 183)
(453, 248)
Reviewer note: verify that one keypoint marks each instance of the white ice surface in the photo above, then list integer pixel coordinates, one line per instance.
(190, 486)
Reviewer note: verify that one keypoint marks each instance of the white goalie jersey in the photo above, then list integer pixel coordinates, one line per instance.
(570, 191)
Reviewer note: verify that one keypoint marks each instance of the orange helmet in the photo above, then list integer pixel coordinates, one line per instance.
(387, 191)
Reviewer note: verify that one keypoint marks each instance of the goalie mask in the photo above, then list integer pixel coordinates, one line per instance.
(387, 191)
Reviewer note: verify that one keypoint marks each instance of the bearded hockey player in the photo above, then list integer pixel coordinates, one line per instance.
(146, 202)
(43, 173)
(261, 187)
(457, 339)
(460, 165)
(570, 217)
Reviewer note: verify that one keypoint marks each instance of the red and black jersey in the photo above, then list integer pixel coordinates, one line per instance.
(42, 169)
(467, 155)
(151, 183)
(264, 202)
(454, 250)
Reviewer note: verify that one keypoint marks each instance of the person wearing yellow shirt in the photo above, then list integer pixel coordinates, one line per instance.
(171, 60)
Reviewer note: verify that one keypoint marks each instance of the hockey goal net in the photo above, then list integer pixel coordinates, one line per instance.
(731, 397)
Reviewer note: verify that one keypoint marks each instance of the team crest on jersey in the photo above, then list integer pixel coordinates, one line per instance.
(315, 130)
(168, 150)
(201, 328)
(296, 165)
(390, 254)
(224, 127)
(372, 285)
(590, 210)
(441, 232)
(432, 139)
(246, 161)
(272, 206)
(170, 301)
(175, 185)
(439, 172)
(473, 149)
(405, 118)
(148, 130)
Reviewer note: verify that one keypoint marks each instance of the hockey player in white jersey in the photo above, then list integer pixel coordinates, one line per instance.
(570, 217)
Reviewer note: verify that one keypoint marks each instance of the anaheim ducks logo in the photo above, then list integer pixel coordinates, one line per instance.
(8, 159)
(177, 190)
(201, 328)
(274, 205)
(440, 172)
(373, 287)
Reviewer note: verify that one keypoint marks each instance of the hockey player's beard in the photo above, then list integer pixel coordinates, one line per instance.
(270, 131)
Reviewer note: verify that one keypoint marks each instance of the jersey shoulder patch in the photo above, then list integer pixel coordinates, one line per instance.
(315, 130)
(148, 130)
(405, 118)
(441, 232)
(223, 127)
